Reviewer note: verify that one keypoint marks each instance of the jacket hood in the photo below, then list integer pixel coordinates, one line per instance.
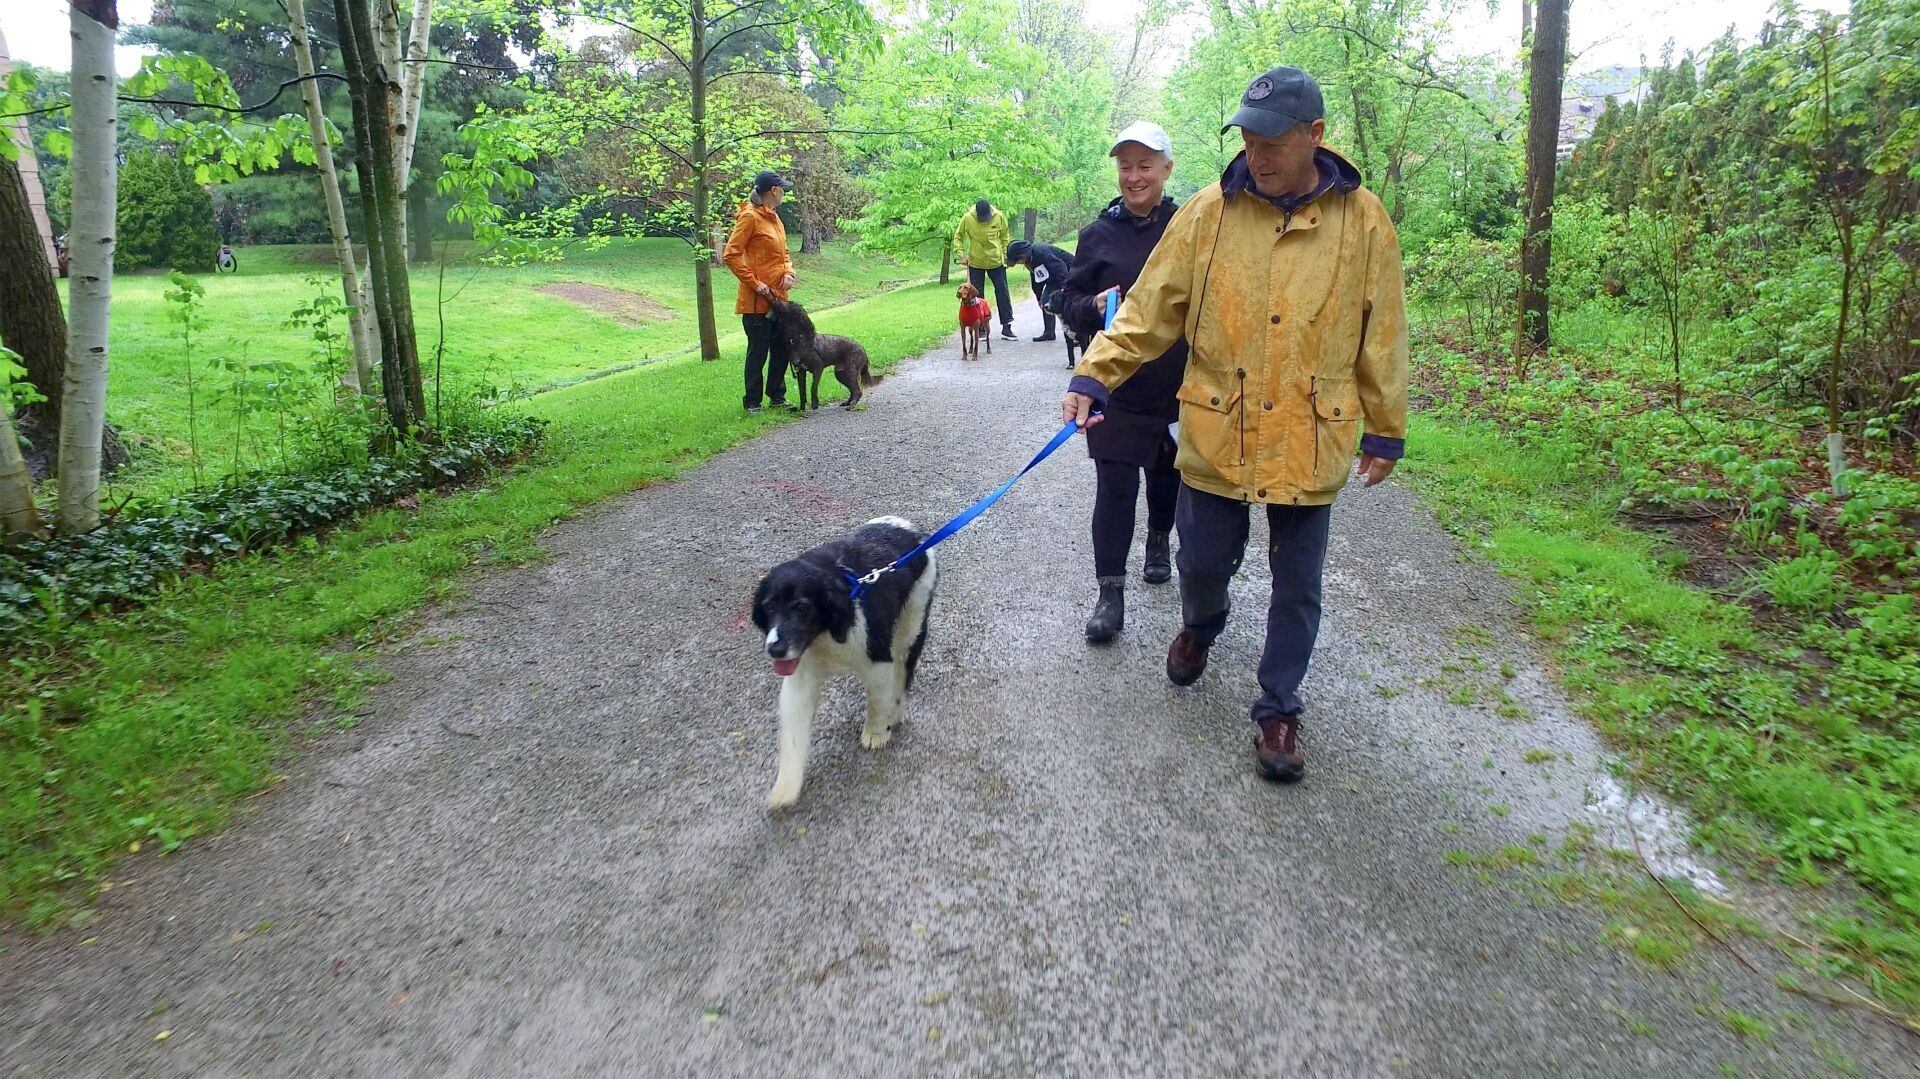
(1336, 173)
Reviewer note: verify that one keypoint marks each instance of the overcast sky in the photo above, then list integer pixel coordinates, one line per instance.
(1613, 32)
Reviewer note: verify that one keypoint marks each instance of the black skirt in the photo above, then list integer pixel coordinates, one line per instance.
(1131, 438)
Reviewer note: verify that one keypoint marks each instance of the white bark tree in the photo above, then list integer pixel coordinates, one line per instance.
(19, 518)
(366, 345)
(90, 243)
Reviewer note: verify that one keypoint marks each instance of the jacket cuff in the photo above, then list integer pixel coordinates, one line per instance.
(1090, 386)
(1391, 449)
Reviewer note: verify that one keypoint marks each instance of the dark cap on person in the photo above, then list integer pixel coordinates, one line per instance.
(983, 210)
(767, 181)
(1017, 251)
(1279, 101)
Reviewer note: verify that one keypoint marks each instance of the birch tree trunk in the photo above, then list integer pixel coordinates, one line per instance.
(359, 378)
(19, 519)
(83, 407)
(374, 87)
(29, 166)
(413, 85)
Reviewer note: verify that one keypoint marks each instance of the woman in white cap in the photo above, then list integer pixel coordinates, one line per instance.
(1133, 441)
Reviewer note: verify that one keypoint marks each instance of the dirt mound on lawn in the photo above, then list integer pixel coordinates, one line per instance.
(626, 308)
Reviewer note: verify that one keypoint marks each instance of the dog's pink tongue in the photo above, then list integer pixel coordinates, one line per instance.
(785, 667)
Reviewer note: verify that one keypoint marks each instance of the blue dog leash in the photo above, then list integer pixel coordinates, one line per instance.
(965, 518)
(859, 584)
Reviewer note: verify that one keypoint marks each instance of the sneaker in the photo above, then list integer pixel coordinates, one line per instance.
(1045, 337)
(1109, 614)
(1276, 749)
(1186, 660)
(1007, 333)
(753, 410)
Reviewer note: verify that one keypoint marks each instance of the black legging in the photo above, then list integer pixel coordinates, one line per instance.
(1116, 490)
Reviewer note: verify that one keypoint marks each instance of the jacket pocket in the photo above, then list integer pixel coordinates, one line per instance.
(1336, 431)
(1211, 425)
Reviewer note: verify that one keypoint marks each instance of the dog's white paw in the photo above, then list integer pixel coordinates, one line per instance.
(784, 794)
(872, 738)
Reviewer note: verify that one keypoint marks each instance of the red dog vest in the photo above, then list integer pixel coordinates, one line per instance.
(977, 313)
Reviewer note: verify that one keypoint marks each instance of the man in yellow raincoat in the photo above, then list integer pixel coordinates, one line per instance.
(1285, 280)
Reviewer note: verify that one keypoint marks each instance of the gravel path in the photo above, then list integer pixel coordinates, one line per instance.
(545, 850)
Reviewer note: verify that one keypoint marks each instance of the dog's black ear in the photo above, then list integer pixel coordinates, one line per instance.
(760, 618)
(836, 608)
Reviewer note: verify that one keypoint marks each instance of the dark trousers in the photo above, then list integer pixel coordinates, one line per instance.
(1116, 492)
(1046, 317)
(1213, 540)
(765, 350)
(1000, 295)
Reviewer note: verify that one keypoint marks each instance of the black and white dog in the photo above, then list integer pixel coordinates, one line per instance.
(816, 629)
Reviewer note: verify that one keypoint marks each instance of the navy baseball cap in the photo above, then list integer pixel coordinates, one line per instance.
(1279, 101)
(767, 181)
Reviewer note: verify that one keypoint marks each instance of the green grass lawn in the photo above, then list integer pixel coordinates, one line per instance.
(141, 731)
(1726, 712)
(500, 331)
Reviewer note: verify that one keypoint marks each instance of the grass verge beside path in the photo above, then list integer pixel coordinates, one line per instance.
(1704, 701)
(502, 330)
(140, 732)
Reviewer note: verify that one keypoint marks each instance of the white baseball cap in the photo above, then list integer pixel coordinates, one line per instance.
(1150, 135)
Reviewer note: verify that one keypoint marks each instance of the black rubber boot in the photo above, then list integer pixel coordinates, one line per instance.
(1110, 613)
(1158, 568)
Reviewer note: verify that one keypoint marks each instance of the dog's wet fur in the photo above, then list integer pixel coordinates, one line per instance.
(811, 353)
(815, 629)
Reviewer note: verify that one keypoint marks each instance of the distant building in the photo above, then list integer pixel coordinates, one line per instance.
(1584, 98)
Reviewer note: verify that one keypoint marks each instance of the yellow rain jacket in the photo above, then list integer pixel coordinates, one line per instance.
(1298, 333)
(982, 244)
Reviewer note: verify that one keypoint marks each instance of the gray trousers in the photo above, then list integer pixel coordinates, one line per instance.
(1213, 541)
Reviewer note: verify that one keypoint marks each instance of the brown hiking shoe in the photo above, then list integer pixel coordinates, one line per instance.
(1277, 749)
(1186, 660)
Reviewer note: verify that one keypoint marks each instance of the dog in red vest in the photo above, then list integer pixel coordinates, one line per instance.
(976, 318)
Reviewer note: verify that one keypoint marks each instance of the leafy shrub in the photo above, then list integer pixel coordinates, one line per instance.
(165, 219)
(50, 581)
(1481, 275)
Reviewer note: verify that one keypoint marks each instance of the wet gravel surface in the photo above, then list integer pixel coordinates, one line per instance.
(545, 849)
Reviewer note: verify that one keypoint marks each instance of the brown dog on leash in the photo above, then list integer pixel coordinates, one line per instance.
(976, 318)
(812, 353)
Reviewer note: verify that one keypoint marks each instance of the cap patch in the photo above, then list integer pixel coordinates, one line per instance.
(1260, 90)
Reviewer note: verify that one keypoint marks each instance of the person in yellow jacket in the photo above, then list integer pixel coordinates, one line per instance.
(980, 239)
(1285, 280)
(757, 254)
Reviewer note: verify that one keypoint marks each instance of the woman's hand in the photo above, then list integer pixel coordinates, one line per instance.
(761, 288)
(1077, 409)
(1100, 301)
(787, 282)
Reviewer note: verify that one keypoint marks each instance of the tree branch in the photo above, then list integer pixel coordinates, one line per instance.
(240, 110)
(771, 132)
(632, 29)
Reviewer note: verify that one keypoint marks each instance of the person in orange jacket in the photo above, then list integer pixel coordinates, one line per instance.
(757, 254)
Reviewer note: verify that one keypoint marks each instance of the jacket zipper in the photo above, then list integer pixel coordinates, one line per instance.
(1313, 399)
(1242, 372)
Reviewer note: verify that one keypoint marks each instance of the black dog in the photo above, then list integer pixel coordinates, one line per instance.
(816, 629)
(812, 353)
(1074, 344)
